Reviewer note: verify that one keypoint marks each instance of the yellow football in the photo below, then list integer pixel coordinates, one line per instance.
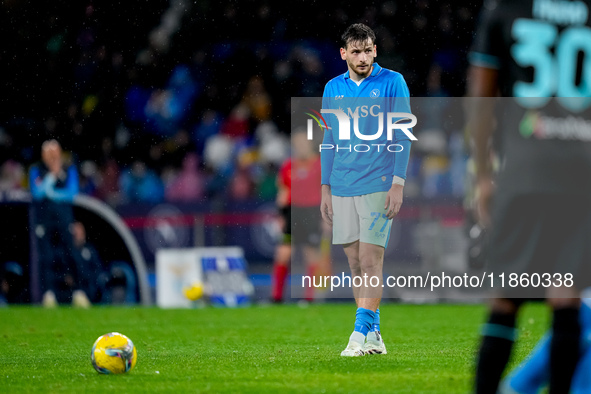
(113, 353)
(194, 292)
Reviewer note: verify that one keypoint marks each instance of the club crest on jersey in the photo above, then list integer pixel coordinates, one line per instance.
(374, 93)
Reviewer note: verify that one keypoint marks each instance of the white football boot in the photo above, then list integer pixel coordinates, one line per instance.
(49, 300)
(374, 344)
(80, 300)
(353, 349)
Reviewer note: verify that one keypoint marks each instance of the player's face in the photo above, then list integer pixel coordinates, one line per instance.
(52, 157)
(359, 57)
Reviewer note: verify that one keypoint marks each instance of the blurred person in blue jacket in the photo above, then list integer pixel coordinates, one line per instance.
(141, 184)
(53, 187)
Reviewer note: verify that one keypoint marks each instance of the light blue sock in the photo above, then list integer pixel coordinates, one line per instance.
(581, 383)
(363, 320)
(376, 322)
(531, 375)
(585, 319)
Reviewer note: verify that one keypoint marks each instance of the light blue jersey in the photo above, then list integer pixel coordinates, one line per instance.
(363, 160)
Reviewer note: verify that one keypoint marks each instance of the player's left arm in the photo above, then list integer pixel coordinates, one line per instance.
(401, 97)
(485, 59)
(482, 85)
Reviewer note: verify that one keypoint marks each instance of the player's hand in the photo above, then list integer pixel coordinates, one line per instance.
(393, 201)
(55, 169)
(326, 205)
(484, 193)
(282, 199)
(48, 183)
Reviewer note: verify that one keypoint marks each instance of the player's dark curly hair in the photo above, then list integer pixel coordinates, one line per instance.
(357, 32)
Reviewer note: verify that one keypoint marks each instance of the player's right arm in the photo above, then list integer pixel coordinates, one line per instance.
(39, 186)
(326, 163)
(283, 191)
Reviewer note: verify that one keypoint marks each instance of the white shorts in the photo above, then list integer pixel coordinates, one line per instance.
(360, 218)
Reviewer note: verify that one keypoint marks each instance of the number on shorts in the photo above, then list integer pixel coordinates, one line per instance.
(377, 215)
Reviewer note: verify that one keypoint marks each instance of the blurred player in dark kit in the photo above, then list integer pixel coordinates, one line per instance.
(541, 216)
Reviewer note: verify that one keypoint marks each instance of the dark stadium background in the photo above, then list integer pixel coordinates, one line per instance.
(83, 72)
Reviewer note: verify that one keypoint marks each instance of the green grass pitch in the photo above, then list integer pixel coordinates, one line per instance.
(256, 349)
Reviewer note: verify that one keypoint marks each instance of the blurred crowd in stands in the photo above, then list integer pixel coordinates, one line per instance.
(182, 101)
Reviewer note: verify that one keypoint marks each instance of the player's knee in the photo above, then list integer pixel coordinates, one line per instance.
(370, 265)
(355, 266)
(563, 297)
(282, 255)
(504, 305)
(562, 303)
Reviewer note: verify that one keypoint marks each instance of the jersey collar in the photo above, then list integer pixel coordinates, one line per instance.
(376, 70)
